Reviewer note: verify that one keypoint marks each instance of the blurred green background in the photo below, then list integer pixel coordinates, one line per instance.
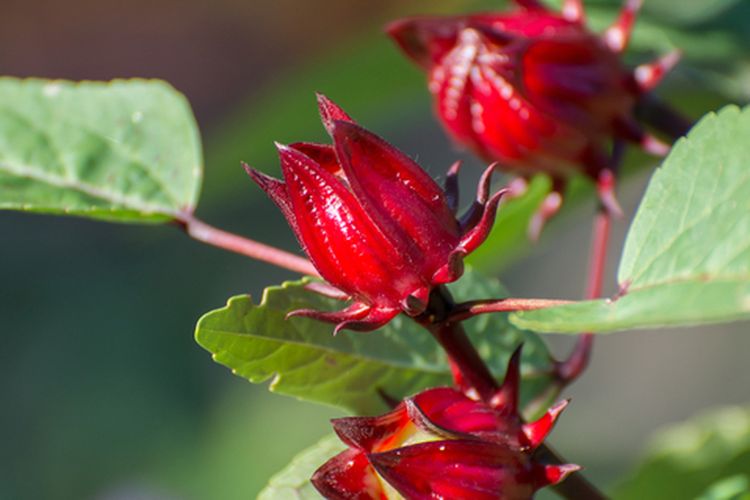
(103, 392)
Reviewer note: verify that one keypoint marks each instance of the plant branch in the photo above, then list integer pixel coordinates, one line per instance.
(567, 371)
(452, 337)
(663, 117)
(201, 231)
(475, 372)
(570, 369)
(466, 310)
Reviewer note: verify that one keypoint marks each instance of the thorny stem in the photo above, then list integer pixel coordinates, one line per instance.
(201, 231)
(452, 337)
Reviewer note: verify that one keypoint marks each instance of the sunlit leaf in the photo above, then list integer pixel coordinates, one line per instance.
(122, 151)
(303, 359)
(687, 255)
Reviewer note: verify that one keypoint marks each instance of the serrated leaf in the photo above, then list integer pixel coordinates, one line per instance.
(128, 150)
(349, 371)
(687, 256)
(708, 456)
(294, 480)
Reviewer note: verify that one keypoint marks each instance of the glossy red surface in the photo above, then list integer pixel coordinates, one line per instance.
(441, 443)
(533, 89)
(373, 223)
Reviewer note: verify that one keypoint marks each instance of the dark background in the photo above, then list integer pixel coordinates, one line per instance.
(104, 393)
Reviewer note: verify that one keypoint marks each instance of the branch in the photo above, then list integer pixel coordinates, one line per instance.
(201, 231)
(466, 310)
(570, 369)
(465, 357)
(663, 117)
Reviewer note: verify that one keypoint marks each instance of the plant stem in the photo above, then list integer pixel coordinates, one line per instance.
(569, 370)
(201, 231)
(452, 337)
(466, 310)
(663, 117)
(598, 258)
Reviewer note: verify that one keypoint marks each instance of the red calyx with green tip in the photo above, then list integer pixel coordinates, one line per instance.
(373, 223)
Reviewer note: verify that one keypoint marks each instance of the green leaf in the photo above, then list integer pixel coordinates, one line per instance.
(294, 480)
(121, 151)
(732, 488)
(708, 456)
(687, 256)
(348, 371)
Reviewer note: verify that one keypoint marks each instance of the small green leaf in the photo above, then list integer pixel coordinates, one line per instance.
(708, 455)
(350, 371)
(687, 256)
(294, 480)
(121, 151)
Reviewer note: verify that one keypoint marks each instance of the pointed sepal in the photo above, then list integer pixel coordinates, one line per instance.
(475, 236)
(573, 10)
(331, 112)
(275, 189)
(648, 76)
(617, 36)
(506, 399)
(373, 434)
(555, 474)
(322, 154)
(349, 475)
(451, 187)
(536, 432)
(547, 210)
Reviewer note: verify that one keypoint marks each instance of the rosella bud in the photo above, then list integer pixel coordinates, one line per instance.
(373, 223)
(535, 90)
(442, 444)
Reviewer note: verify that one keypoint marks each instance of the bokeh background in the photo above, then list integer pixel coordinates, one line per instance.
(103, 392)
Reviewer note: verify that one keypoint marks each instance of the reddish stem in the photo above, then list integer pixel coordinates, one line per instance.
(663, 117)
(201, 231)
(569, 370)
(598, 259)
(452, 337)
(466, 310)
(475, 372)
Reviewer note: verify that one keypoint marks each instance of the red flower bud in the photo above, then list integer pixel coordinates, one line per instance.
(443, 444)
(533, 89)
(373, 223)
